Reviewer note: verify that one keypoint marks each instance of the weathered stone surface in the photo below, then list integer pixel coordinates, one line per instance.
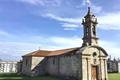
(86, 63)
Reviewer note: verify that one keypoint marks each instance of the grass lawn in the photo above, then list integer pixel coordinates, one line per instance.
(19, 77)
(112, 76)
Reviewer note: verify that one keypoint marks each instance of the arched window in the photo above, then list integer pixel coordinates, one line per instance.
(87, 31)
(93, 29)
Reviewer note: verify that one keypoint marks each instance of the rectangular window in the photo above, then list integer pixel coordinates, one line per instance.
(53, 60)
(26, 62)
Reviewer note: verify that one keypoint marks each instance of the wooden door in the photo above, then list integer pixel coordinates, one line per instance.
(94, 72)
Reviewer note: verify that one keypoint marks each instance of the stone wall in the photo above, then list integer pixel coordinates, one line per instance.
(38, 66)
(64, 65)
(19, 67)
(26, 65)
(75, 64)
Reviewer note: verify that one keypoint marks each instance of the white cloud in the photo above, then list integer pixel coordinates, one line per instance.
(42, 2)
(14, 50)
(31, 1)
(96, 9)
(63, 19)
(112, 48)
(66, 42)
(110, 21)
(72, 23)
(4, 33)
(86, 2)
(70, 26)
(67, 23)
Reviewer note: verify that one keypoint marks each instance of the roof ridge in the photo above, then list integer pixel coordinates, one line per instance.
(67, 48)
(44, 53)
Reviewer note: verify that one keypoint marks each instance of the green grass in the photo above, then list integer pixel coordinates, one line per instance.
(21, 77)
(111, 76)
(114, 76)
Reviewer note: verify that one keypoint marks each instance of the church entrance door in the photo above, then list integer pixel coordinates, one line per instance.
(94, 72)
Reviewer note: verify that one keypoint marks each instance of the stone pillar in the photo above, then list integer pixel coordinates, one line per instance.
(87, 68)
(105, 67)
(100, 70)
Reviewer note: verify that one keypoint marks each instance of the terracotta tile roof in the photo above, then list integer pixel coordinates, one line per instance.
(45, 53)
(39, 53)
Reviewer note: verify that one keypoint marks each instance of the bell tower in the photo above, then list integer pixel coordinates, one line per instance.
(89, 28)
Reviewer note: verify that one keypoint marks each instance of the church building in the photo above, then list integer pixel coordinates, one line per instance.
(87, 62)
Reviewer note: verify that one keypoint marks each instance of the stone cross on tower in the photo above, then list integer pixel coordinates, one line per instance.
(89, 23)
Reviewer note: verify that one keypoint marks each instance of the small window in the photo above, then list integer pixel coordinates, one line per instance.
(26, 62)
(53, 60)
(94, 33)
(94, 54)
(87, 31)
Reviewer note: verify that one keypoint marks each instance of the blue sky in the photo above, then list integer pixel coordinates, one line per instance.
(28, 25)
